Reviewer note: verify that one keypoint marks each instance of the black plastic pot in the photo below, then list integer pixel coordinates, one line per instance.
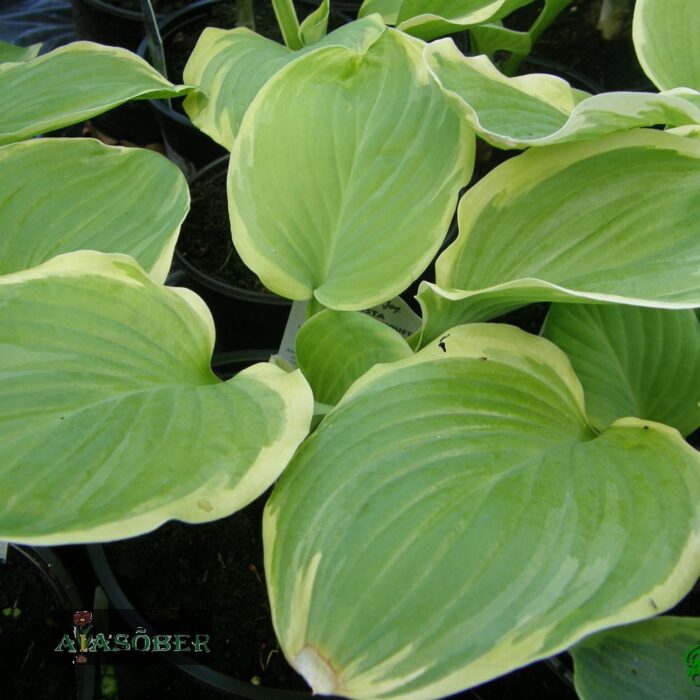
(227, 364)
(200, 673)
(185, 144)
(50, 570)
(243, 318)
(100, 21)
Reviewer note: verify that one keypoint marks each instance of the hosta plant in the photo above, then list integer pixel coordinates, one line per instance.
(475, 499)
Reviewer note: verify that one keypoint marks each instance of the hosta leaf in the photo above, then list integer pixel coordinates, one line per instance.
(690, 131)
(363, 196)
(230, 66)
(315, 26)
(645, 661)
(576, 222)
(667, 42)
(632, 361)
(489, 38)
(690, 95)
(334, 348)
(72, 83)
(540, 109)
(428, 19)
(62, 195)
(111, 421)
(455, 517)
(11, 53)
(388, 9)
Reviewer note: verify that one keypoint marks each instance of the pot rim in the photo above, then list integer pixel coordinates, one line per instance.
(47, 562)
(120, 12)
(561, 71)
(212, 283)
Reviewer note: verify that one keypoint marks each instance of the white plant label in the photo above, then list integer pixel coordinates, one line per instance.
(396, 314)
(287, 352)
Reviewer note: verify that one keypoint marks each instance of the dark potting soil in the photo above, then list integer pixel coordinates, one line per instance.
(205, 238)
(217, 567)
(528, 318)
(179, 46)
(573, 42)
(27, 641)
